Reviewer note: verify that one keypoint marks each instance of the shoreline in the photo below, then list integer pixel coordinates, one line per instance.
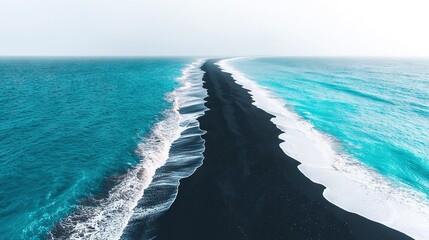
(247, 188)
(324, 161)
(135, 198)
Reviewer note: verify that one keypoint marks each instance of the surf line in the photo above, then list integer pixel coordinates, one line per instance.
(374, 196)
(108, 218)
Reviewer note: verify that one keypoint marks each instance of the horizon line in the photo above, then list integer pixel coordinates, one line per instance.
(212, 56)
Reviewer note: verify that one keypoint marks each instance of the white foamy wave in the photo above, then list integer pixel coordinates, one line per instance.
(349, 184)
(186, 155)
(108, 218)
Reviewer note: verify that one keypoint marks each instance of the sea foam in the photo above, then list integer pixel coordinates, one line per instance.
(349, 184)
(186, 155)
(108, 217)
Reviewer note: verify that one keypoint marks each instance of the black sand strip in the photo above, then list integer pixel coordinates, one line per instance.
(247, 187)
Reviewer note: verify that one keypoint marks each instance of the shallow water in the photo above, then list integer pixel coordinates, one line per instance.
(68, 126)
(357, 126)
(377, 109)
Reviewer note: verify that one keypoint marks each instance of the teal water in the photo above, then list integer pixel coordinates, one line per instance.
(376, 109)
(67, 126)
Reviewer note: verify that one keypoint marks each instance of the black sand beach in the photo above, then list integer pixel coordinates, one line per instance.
(247, 188)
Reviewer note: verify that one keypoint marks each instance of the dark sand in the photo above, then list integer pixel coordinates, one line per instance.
(247, 187)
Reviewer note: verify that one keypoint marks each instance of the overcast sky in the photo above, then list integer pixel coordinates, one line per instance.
(215, 27)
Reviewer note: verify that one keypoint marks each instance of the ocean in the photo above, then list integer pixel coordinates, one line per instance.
(81, 139)
(94, 148)
(359, 126)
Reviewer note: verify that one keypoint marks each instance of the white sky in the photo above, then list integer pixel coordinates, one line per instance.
(215, 27)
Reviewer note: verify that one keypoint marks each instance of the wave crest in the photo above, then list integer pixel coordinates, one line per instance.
(349, 183)
(107, 218)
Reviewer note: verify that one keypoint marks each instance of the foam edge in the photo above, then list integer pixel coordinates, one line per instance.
(350, 184)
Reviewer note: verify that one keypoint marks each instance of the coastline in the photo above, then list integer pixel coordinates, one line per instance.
(324, 161)
(135, 199)
(247, 188)
(185, 155)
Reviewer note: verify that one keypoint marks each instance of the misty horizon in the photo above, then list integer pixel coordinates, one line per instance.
(221, 28)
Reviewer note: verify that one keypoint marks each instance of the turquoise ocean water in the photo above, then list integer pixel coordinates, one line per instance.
(377, 110)
(68, 126)
(72, 129)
